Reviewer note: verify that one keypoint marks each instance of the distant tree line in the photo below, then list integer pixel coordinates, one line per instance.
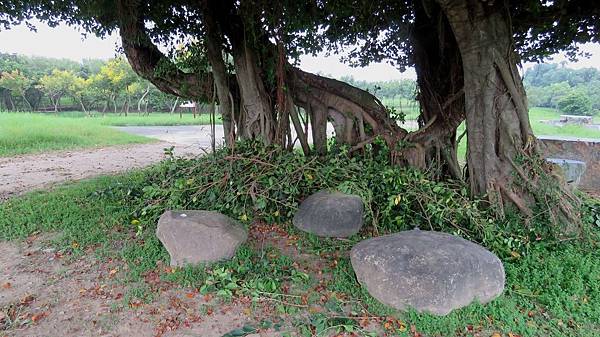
(572, 91)
(393, 89)
(549, 85)
(47, 84)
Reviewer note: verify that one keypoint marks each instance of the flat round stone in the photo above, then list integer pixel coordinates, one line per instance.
(330, 214)
(429, 271)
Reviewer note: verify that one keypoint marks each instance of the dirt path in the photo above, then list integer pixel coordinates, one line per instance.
(24, 173)
(46, 294)
(29, 172)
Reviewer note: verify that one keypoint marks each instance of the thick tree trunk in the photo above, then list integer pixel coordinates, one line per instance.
(497, 123)
(258, 110)
(440, 81)
(256, 106)
(502, 155)
(144, 57)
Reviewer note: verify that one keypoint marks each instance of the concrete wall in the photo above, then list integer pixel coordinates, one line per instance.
(583, 149)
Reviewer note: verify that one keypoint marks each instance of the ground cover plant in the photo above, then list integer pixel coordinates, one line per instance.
(307, 282)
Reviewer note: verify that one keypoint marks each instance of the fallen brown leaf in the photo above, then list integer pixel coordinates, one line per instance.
(27, 300)
(35, 318)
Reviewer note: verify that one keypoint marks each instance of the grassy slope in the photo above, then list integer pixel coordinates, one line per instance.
(28, 133)
(553, 291)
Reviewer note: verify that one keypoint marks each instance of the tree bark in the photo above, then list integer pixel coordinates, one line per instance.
(127, 105)
(145, 57)
(498, 129)
(12, 102)
(214, 52)
(54, 103)
(258, 111)
(440, 81)
(83, 106)
(113, 99)
(27, 101)
(174, 106)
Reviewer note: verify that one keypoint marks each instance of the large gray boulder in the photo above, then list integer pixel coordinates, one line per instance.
(429, 271)
(199, 236)
(330, 214)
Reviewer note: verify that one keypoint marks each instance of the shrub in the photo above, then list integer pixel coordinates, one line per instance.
(258, 183)
(576, 103)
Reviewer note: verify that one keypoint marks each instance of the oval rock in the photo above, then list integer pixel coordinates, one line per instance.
(199, 236)
(330, 214)
(429, 271)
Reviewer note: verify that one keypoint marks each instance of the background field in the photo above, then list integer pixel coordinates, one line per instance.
(22, 133)
(134, 119)
(536, 116)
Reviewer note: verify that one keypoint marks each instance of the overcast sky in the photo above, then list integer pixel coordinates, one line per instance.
(67, 42)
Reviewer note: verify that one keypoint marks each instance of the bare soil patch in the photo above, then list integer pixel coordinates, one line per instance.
(29, 172)
(46, 294)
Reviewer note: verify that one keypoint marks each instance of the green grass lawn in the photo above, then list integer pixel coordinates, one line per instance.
(409, 107)
(34, 133)
(23, 133)
(536, 115)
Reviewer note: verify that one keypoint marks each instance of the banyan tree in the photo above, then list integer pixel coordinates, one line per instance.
(242, 54)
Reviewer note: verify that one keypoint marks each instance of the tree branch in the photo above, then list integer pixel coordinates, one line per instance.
(150, 63)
